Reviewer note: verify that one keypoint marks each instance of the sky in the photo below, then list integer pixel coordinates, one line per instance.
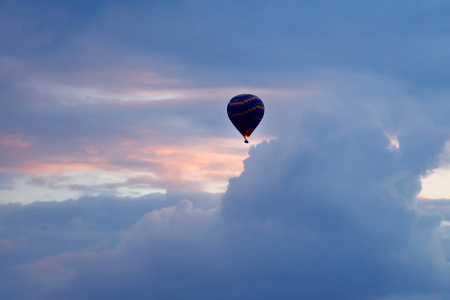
(121, 176)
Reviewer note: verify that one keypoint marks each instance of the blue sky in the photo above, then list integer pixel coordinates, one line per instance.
(121, 176)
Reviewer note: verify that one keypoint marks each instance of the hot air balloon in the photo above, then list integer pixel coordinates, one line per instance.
(245, 112)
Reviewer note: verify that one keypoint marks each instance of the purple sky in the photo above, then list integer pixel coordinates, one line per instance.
(121, 176)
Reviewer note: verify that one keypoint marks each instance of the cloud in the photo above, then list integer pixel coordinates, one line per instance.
(257, 41)
(79, 85)
(338, 219)
(174, 142)
(7, 180)
(325, 211)
(253, 43)
(47, 228)
(46, 232)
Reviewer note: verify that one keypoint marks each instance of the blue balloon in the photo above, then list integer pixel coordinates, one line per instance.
(245, 112)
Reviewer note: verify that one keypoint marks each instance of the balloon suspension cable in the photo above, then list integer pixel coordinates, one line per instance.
(245, 141)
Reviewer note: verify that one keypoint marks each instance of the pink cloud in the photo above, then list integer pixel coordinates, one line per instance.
(15, 141)
(201, 162)
(32, 167)
(211, 163)
(91, 150)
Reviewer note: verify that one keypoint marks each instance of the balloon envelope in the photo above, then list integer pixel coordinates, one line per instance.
(245, 112)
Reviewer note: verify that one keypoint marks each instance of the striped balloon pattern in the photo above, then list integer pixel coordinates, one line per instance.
(245, 112)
